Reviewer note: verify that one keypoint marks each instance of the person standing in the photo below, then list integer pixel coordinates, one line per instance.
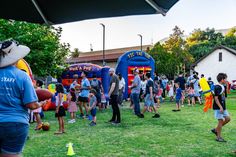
(17, 96)
(121, 89)
(135, 91)
(36, 112)
(97, 85)
(84, 94)
(181, 82)
(113, 94)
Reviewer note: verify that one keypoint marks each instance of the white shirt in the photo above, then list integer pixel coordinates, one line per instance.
(122, 83)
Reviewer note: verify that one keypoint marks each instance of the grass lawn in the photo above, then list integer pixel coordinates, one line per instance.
(186, 133)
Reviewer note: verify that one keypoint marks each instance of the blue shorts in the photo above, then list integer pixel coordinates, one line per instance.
(93, 112)
(13, 137)
(177, 101)
(219, 115)
(148, 102)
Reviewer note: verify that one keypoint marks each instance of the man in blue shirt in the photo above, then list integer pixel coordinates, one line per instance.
(84, 94)
(17, 95)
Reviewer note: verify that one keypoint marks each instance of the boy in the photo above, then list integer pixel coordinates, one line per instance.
(92, 106)
(178, 97)
(219, 106)
(149, 99)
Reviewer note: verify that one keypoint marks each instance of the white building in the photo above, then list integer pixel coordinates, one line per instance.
(221, 59)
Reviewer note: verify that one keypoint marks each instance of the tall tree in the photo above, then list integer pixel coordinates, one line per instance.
(164, 61)
(47, 54)
(176, 45)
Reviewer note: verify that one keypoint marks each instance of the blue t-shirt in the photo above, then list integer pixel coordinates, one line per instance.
(136, 81)
(85, 84)
(16, 90)
(178, 94)
(92, 100)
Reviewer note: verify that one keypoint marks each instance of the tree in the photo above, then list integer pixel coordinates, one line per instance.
(230, 39)
(176, 45)
(75, 53)
(164, 61)
(200, 42)
(47, 54)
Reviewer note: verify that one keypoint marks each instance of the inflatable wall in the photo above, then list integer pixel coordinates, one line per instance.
(23, 65)
(74, 73)
(128, 61)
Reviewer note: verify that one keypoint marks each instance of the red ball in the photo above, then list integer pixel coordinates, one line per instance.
(43, 94)
(46, 126)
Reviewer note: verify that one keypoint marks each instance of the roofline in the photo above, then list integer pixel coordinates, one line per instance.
(232, 51)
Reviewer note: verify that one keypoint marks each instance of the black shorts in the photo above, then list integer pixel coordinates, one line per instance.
(61, 112)
(83, 99)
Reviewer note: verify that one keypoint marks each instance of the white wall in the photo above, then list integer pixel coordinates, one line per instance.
(210, 66)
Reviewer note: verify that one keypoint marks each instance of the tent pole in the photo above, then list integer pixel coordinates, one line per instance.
(156, 7)
(40, 12)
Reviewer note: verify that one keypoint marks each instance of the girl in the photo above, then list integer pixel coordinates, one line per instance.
(72, 108)
(171, 91)
(191, 95)
(60, 110)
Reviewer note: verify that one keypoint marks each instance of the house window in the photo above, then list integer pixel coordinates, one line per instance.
(220, 57)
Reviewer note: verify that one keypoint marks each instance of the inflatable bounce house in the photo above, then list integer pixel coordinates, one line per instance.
(74, 73)
(128, 61)
(23, 65)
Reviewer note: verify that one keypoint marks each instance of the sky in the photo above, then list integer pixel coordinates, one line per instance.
(123, 31)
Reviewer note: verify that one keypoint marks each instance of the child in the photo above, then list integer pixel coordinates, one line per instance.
(103, 101)
(92, 106)
(171, 91)
(60, 110)
(37, 111)
(178, 97)
(72, 108)
(190, 91)
(158, 96)
(219, 106)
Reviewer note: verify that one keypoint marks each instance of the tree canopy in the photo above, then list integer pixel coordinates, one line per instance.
(48, 55)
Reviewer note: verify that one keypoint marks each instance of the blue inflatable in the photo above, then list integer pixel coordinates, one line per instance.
(74, 73)
(128, 61)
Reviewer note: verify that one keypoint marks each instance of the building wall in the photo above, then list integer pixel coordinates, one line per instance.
(110, 64)
(210, 66)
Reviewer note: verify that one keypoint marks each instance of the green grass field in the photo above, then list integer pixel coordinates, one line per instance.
(175, 134)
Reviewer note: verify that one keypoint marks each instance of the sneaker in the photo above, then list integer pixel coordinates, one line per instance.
(81, 116)
(220, 139)
(156, 116)
(116, 123)
(93, 123)
(111, 121)
(214, 131)
(140, 115)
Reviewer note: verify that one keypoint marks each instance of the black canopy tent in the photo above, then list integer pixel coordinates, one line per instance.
(63, 11)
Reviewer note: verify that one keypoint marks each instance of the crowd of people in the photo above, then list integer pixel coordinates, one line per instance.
(18, 95)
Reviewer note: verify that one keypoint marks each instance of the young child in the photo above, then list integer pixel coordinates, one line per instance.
(158, 96)
(171, 91)
(103, 101)
(37, 111)
(72, 108)
(60, 110)
(190, 91)
(92, 106)
(219, 106)
(178, 97)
